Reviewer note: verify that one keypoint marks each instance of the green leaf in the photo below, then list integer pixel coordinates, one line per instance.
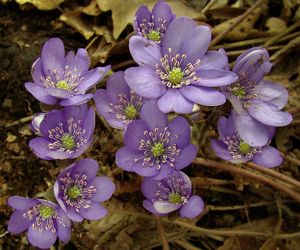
(123, 11)
(42, 4)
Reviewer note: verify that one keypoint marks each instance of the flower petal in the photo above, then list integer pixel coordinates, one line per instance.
(193, 208)
(144, 52)
(149, 188)
(94, 212)
(117, 85)
(254, 62)
(268, 114)
(76, 100)
(41, 239)
(92, 77)
(63, 229)
(226, 127)
(272, 93)
(53, 57)
(180, 132)
(21, 203)
(39, 93)
(134, 134)
(164, 172)
(203, 95)
(145, 82)
(151, 114)
(125, 158)
(50, 121)
(165, 207)
(220, 149)
(214, 60)
(162, 11)
(17, 223)
(37, 72)
(145, 171)
(141, 14)
(58, 93)
(173, 100)
(186, 156)
(250, 130)
(149, 206)
(215, 78)
(87, 166)
(79, 63)
(104, 188)
(269, 157)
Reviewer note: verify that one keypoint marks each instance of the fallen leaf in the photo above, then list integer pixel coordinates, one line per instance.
(42, 4)
(123, 11)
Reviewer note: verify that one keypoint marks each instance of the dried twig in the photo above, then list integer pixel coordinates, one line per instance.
(219, 37)
(250, 174)
(162, 234)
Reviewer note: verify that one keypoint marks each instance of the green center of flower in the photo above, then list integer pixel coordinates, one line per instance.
(62, 85)
(244, 147)
(46, 211)
(131, 112)
(238, 90)
(174, 198)
(73, 192)
(68, 141)
(154, 36)
(158, 149)
(176, 75)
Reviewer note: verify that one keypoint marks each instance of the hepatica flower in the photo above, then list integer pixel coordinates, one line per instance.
(78, 191)
(154, 146)
(153, 25)
(171, 193)
(36, 121)
(44, 220)
(180, 72)
(257, 103)
(233, 148)
(65, 134)
(63, 79)
(118, 104)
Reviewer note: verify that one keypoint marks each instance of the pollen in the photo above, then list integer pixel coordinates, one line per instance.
(46, 211)
(176, 75)
(244, 147)
(62, 85)
(130, 112)
(68, 141)
(73, 192)
(239, 91)
(175, 198)
(154, 36)
(158, 149)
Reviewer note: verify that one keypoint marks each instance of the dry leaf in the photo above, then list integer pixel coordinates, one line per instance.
(74, 19)
(276, 25)
(123, 11)
(42, 4)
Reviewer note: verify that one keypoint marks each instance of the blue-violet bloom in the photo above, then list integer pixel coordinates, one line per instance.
(44, 220)
(35, 123)
(180, 72)
(62, 79)
(257, 103)
(155, 147)
(172, 193)
(65, 134)
(78, 191)
(233, 148)
(118, 104)
(153, 25)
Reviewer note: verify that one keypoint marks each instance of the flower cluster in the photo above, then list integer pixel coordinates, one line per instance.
(64, 134)
(175, 74)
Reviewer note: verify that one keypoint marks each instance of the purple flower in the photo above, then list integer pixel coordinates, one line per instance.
(154, 146)
(65, 134)
(257, 103)
(78, 191)
(44, 220)
(118, 104)
(63, 79)
(153, 25)
(180, 72)
(170, 194)
(233, 148)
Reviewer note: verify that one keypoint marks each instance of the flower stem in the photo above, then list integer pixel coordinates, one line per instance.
(162, 234)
